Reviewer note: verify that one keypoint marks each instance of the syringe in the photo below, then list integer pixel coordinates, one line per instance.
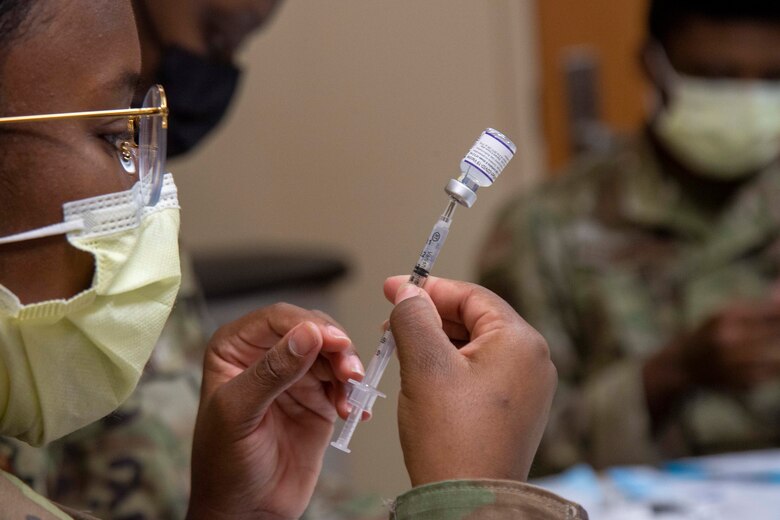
(479, 168)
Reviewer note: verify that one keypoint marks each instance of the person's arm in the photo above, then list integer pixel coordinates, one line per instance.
(476, 387)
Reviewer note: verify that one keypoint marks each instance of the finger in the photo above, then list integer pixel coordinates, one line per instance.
(340, 351)
(275, 321)
(322, 370)
(345, 365)
(478, 309)
(456, 331)
(392, 285)
(754, 312)
(761, 354)
(755, 332)
(423, 347)
(249, 394)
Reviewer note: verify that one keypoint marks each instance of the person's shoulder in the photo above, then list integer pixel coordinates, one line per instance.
(579, 188)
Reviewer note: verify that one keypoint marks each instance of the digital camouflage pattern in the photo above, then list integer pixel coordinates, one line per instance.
(610, 262)
(483, 500)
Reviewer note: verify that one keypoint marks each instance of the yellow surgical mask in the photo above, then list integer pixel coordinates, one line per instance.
(720, 128)
(67, 363)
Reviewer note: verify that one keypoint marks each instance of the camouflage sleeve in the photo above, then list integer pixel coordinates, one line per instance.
(483, 499)
(527, 262)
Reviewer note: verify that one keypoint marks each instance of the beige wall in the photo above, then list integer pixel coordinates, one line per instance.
(352, 117)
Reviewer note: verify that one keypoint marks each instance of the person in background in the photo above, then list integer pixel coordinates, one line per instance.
(653, 270)
(89, 272)
(189, 47)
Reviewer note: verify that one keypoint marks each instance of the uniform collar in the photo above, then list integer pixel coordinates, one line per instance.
(652, 199)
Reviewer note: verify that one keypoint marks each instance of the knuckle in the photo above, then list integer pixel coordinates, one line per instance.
(322, 315)
(532, 344)
(283, 308)
(270, 371)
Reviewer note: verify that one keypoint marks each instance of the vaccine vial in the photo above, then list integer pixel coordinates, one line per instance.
(481, 166)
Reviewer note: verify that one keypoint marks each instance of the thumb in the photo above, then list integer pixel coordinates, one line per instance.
(253, 391)
(423, 347)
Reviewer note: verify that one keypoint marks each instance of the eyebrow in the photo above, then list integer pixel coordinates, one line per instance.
(124, 85)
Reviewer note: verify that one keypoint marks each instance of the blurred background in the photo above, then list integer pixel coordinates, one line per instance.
(350, 119)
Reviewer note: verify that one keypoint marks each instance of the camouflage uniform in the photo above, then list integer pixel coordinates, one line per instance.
(610, 262)
(452, 500)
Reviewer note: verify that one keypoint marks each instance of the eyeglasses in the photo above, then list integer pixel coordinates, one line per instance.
(141, 151)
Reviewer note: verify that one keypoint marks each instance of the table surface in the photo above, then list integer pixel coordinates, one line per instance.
(737, 485)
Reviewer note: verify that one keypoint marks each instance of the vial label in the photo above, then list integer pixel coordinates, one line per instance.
(489, 156)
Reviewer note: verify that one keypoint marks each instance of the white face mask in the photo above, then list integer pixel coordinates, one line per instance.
(723, 129)
(67, 363)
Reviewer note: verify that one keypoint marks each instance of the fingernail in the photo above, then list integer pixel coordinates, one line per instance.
(406, 291)
(303, 340)
(356, 366)
(336, 332)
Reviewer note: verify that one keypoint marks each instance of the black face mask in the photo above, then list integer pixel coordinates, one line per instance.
(199, 92)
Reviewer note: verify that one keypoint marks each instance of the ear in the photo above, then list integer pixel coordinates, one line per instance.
(649, 63)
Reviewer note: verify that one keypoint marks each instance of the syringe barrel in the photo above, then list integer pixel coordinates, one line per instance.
(378, 364)
(348, 430)
(430, 251)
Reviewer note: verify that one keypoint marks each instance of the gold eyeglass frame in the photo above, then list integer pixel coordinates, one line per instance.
(133, 114)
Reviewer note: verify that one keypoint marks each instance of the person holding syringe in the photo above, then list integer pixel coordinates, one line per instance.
(72, 344)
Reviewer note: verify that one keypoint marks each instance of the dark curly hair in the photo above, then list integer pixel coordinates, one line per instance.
(667, 16)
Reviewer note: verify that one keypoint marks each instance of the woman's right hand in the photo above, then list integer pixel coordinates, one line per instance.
(476, 382)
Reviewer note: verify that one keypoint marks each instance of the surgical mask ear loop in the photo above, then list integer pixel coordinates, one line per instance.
(62, 228)
(75, 224)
